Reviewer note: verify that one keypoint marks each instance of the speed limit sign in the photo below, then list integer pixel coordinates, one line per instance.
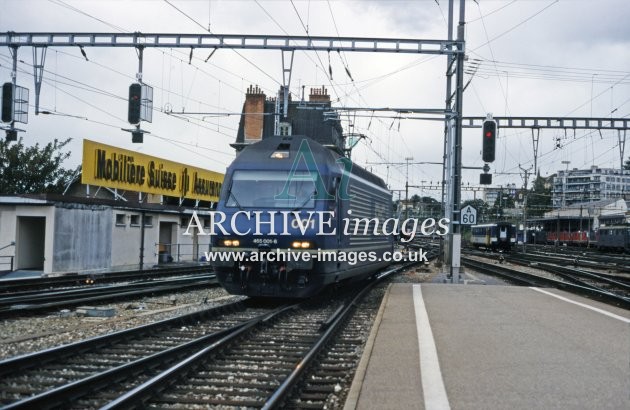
(468, 215)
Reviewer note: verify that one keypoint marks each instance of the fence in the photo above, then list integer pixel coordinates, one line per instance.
(177, 252)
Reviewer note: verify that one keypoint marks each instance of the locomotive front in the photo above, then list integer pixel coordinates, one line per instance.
(278, 217)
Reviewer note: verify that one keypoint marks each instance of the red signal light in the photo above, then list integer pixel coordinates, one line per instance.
(489, 140)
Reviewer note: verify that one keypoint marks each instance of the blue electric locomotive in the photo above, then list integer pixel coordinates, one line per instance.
(298, 216)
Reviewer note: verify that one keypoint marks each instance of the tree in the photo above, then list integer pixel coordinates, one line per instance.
(482, 209)
(415, 200)
(626, 165)
(35, 169)
(430, 207)
(539, 198)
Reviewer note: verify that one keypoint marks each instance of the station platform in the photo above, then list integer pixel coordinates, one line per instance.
(440, 346)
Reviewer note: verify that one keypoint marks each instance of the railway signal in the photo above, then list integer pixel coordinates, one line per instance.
(135, 103)
(7, 102)
(140, 109)
(489, 139)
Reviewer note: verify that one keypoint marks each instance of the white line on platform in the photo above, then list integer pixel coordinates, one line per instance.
(430, 374)
(584, 305)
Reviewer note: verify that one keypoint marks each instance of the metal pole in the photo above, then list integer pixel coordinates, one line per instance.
(526, 172)
(407, 189)
(557, 232)
(457, 151)
(142, 241)
(406, 200)
(447, 126)
(580, 222)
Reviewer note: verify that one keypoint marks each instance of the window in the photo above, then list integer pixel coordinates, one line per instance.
(135, 220)
(148, 220)
(120, 220)
(271, 189)
(285, 128)
(185, 221)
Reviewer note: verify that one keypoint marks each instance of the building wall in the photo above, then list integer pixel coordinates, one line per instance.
(9, 232)
(82, 238)
(126, 235)
(7, 235)
(93, 237)
(193, 246)
(588, 185)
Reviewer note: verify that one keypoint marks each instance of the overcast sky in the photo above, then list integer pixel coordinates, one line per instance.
(537, 58)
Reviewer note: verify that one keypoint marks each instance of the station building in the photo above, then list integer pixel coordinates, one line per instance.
(109, 224)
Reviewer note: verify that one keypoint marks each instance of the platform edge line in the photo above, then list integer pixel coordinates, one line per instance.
(584, 305)
(433, 389)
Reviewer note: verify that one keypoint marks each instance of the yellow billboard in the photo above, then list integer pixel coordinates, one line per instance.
(113, 167)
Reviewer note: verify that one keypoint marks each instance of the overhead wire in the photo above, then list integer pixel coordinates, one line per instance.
(108, 113)
(515, 26)
(97, 90)
(352, 83)
(256, 66)
(66, 5)
(77, 10)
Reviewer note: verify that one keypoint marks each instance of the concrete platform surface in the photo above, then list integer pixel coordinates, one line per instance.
(493, 347)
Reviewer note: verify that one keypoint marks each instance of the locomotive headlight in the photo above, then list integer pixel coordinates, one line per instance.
(231, 242)
(280, 154)
(301, 244)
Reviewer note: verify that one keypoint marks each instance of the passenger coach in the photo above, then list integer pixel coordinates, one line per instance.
(499, 235)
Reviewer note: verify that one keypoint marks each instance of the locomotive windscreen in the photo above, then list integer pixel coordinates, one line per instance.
(271, 189)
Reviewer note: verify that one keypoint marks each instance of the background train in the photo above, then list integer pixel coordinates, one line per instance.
(277, 176)
(495, 236)
(614, 238)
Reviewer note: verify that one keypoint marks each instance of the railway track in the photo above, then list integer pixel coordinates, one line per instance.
(12, 286)
(587, 257)
(574, 282)
(63, 374)
(236, 355)
(26, 302)
(561, 267)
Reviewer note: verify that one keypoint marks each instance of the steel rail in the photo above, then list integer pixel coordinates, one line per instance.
(66, 393)
(17, 309)
(137, 396)
(331, 325)
(31, 360)
(535, 280)
(572, 273)
(30, 284)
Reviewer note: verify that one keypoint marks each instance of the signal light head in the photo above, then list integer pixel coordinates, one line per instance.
(7, 102)
(489, 140)
(135, 103)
